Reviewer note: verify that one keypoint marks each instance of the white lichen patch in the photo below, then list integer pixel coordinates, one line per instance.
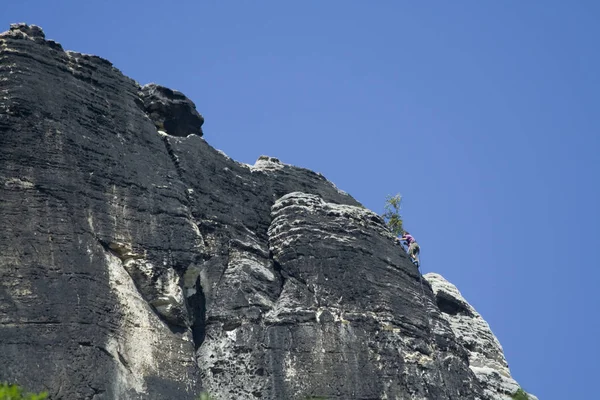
(223, 369)
(137, 338)
(416, 357)
(18, 183)
(336, 312)
(289, 367)
(199, 242)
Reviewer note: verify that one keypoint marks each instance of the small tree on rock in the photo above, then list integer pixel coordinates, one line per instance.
(392, 216)
(520, 394)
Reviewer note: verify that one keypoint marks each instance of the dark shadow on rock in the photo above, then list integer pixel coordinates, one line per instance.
(197, 311)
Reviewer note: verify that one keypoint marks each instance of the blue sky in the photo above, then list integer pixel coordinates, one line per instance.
(482, 114)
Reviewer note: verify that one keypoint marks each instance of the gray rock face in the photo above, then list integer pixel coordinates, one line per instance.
(171, 111)
(137, 262)
(486, 358)
(88, 211)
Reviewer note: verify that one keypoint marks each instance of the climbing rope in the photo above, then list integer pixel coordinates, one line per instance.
(431, 337)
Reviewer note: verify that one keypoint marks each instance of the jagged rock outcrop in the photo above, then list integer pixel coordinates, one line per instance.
(171, 111)
(137, 262)
(341, 321)
(486, 358)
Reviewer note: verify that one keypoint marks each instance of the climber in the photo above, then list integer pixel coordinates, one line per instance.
(413, 247)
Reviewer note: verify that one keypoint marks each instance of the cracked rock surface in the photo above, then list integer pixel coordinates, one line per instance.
(138, 262)
(486, 358)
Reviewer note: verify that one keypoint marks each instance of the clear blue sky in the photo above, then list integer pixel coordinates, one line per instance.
(483, 114)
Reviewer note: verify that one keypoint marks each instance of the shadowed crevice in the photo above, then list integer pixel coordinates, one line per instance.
(449, 305)
(197, 310)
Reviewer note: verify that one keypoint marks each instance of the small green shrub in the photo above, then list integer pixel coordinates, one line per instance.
(392, 216)
(14, 392)
(204, 396)
(520, 395)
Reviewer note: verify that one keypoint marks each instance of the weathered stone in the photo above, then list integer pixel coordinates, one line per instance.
(137, 262)
(31, 31)
(86, 187)
(486, 358)
(171, 111)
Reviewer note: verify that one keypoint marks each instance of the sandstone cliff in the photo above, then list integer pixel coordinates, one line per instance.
(137, 262)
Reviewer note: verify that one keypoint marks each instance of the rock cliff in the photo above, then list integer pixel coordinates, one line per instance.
(486, 358)
(137, 262)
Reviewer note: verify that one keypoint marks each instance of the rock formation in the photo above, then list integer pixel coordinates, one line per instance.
(486, 358)
(137, 262)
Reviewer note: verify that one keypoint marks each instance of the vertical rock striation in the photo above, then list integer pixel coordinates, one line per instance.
(91, 215)
(137, 262)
